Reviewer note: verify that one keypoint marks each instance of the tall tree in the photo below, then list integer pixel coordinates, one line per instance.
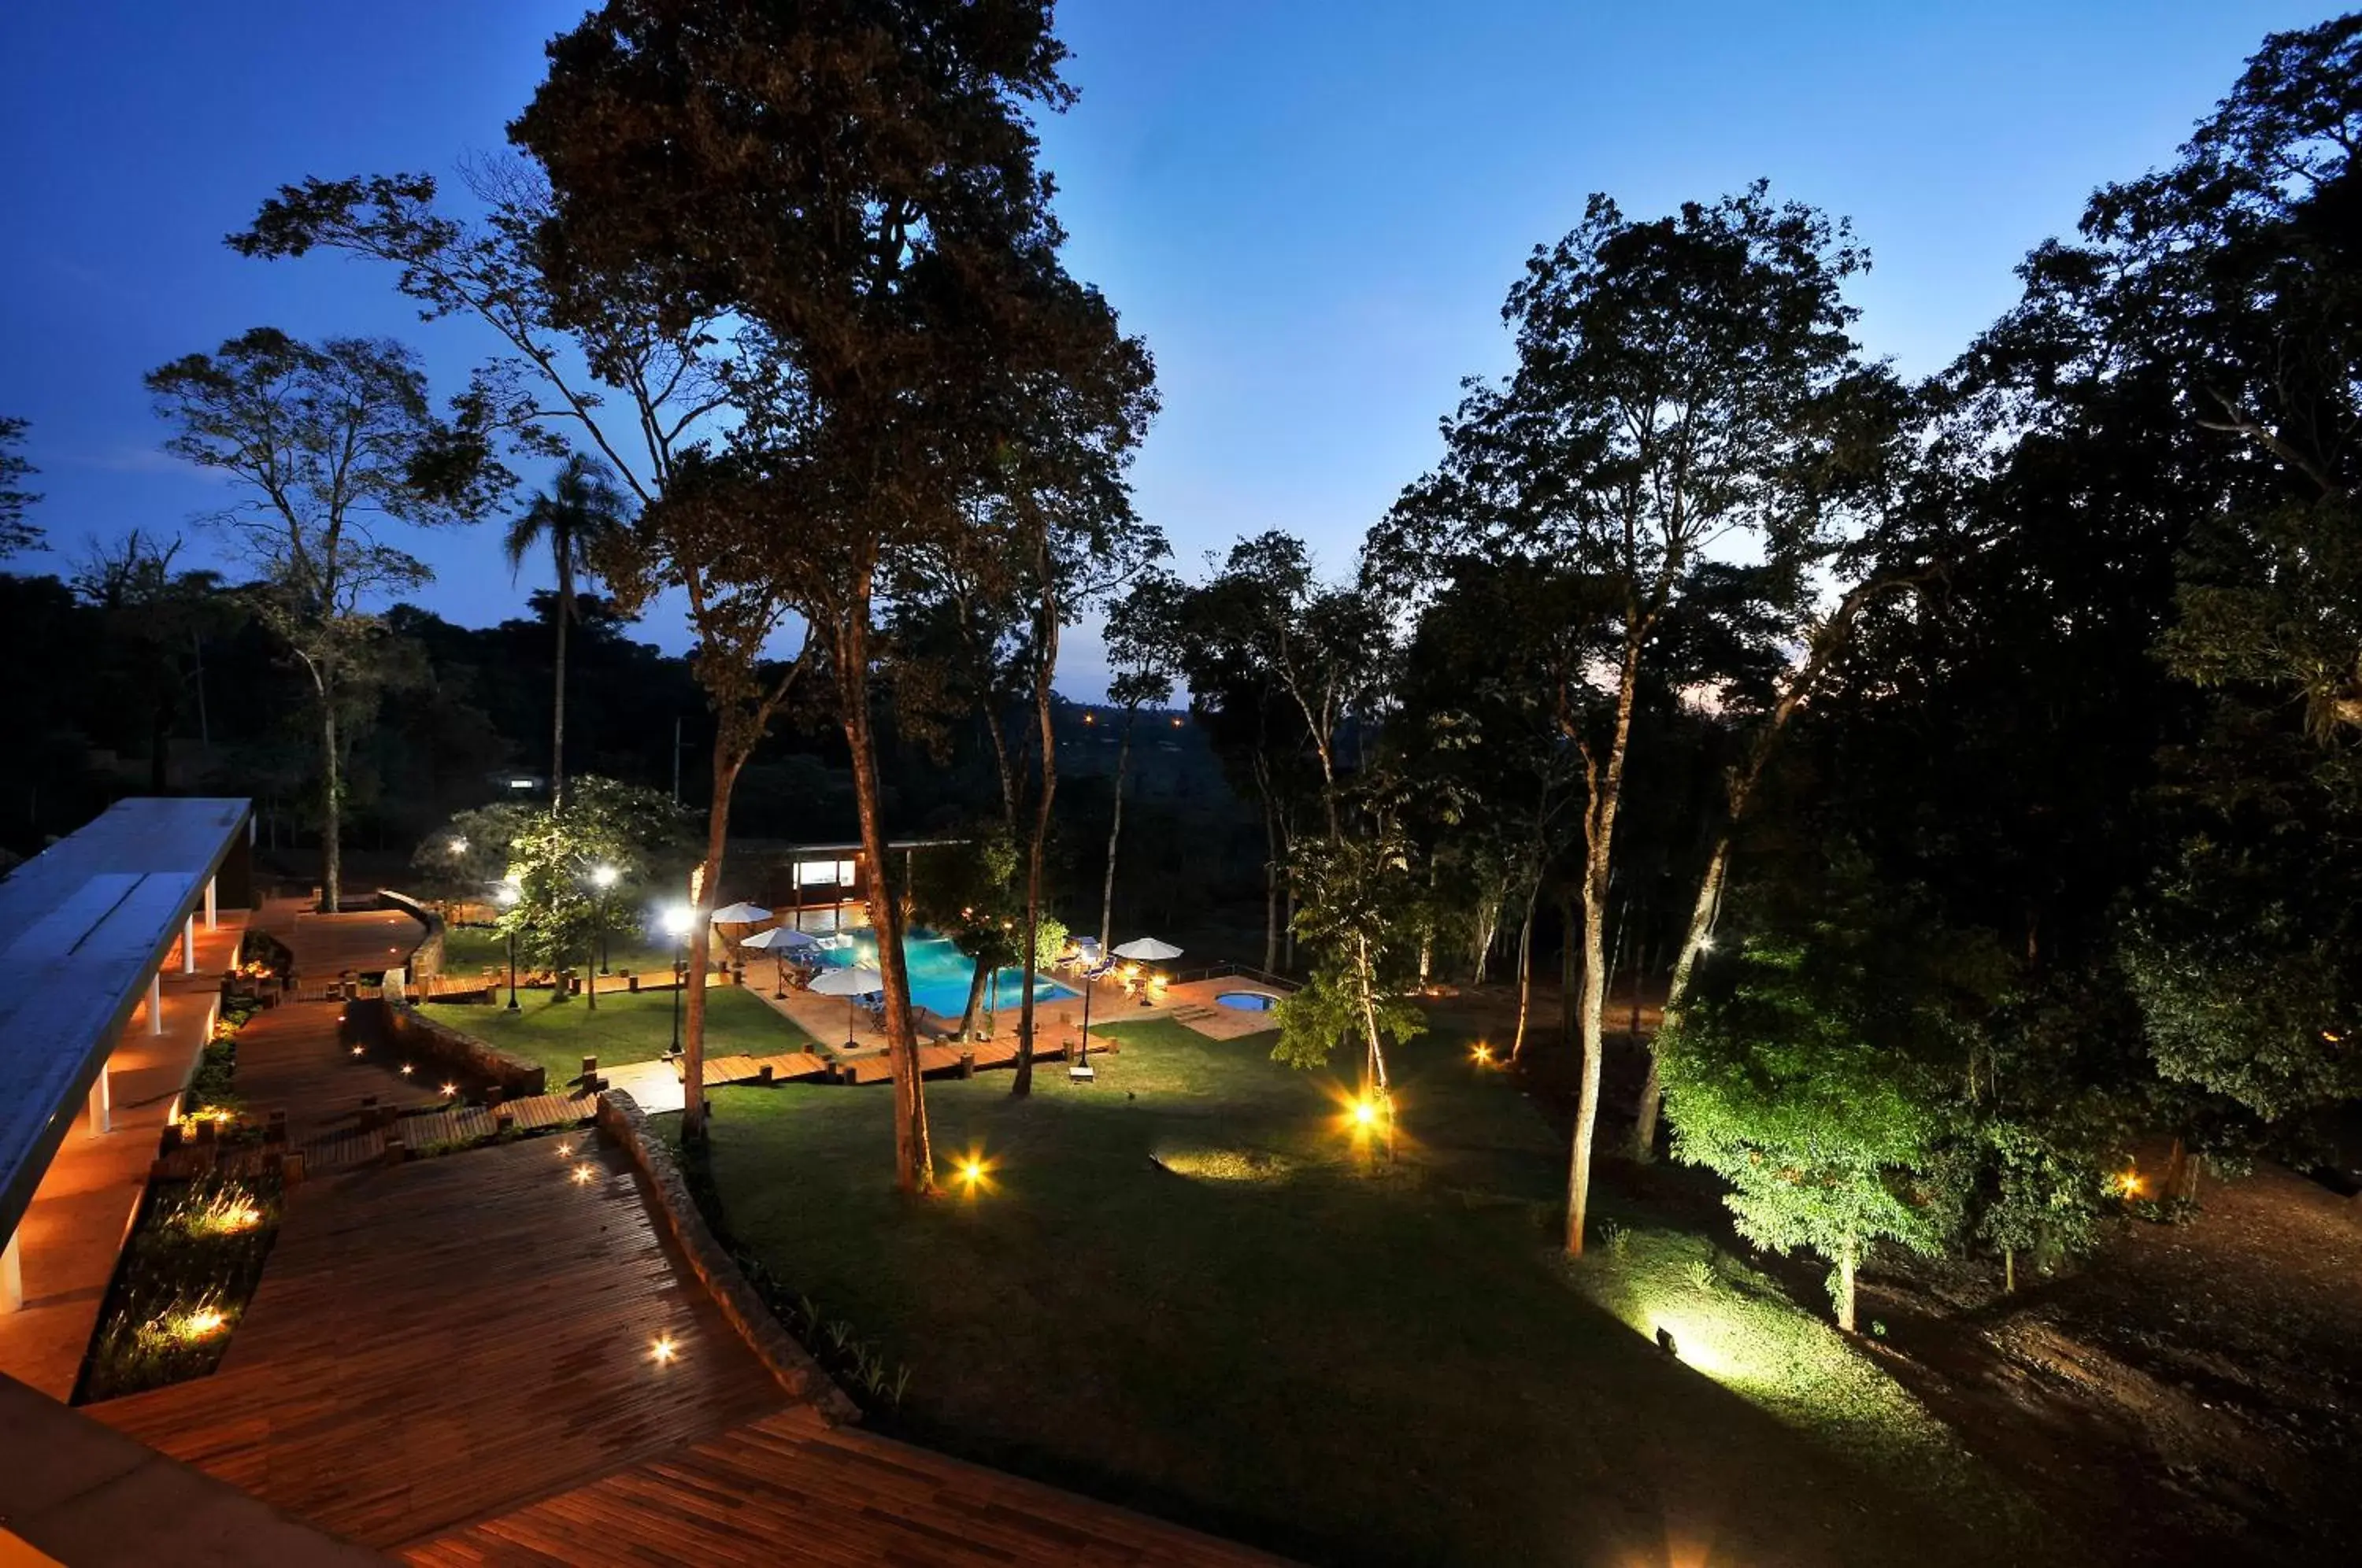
(602, 357)
(575, 518)
(857, 186)
(1674, 378)
(326, 443)
(1142, 659)
(16, 534)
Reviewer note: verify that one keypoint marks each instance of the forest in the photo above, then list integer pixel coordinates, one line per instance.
(1929, 809)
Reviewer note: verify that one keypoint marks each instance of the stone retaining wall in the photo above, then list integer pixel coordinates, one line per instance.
(620, 1117)
(420, 1035)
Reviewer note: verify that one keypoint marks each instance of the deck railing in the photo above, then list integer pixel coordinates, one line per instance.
(1243, 971)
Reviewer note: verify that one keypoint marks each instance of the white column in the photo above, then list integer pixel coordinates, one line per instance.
(156, 1002)
(101, 1105)
(212, 913)
(189, 944)
(11, 1277)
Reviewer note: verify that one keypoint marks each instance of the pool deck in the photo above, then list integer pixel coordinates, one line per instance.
(1192, 1006)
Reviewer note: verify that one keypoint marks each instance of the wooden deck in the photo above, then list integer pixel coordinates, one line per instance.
(449, 1339)
(452, 1124)
(787, 1489)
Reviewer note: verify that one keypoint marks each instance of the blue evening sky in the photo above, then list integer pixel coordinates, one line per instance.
(1312, 208)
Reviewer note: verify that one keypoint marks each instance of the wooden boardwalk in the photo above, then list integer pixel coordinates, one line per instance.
(463, 1125)
(788, 1489)
(449, 1339)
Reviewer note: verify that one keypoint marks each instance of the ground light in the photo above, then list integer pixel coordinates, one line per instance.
(197, 1325)
(581, 1176)
(1481, 1054)
(663, 1351)
(973, 1171)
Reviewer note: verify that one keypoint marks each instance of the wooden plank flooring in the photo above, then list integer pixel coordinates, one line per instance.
(455, 1124)
(787, 1489)
(446, 1340)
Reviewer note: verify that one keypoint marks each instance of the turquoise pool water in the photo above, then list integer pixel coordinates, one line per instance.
(940, 973)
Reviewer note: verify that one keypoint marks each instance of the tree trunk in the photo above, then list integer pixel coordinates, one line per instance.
(1374, 1070)
(1677, 988)
(1605, 789)
(1001, 765)
(976, 982)
(704, 879)
(1115, 830)
(1846, 1260)
(1021, 1083)
(557, 705)
(331, 805)
(1524, 969)
(1826, 639)
(914, 1160)
(1270, 868)
(2009, 1270)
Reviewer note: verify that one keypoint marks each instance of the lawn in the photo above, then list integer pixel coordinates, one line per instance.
(626, 1027)
(1181, 1290)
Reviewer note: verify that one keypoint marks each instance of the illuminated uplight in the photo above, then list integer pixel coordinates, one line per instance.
(1365, 1113)
(450, 1091)
(1481, 1054)
(973, 1172)
(200, 1323)
(603, 876)
(566, 1150)
(1706, 943)
(581, 1176)
(407, 1069)
(358, 1050)
(663, 1351)
(2131, 1184)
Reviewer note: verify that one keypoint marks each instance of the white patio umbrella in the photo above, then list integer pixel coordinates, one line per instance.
(849, 984)
(740, 914)
(778, 941)
(1148, 950)
(1142, 950)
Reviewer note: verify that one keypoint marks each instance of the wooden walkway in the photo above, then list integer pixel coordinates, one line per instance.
(787, 1489)
(463, 1125)
(447, 1339)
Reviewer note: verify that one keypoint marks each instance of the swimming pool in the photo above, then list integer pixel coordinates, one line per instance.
(1248, 1001)
(940, 974)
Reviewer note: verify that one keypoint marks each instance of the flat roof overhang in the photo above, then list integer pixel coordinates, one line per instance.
(84, 925)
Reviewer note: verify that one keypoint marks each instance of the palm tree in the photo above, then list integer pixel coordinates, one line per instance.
(582, 506)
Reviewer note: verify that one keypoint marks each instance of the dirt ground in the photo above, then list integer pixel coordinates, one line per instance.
(2192, 1392)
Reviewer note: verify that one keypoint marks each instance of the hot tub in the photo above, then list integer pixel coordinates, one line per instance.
(1247, 1001)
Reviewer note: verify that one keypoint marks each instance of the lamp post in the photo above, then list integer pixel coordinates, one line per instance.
(603, 879)
(676, 922)
(509, 891)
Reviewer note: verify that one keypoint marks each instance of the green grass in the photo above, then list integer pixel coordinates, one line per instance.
(1181, 1290)
(624, 1028)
